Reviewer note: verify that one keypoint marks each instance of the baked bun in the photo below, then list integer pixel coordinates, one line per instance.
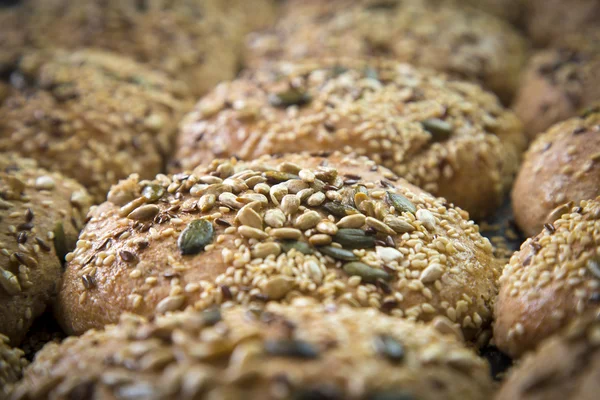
(561, 166)
(94, 116)
(41, 214)
(274, 229)
(466, 43)
(193, 41)
(12, 363)
(552, 279)
(450, 138)
(548, 21)
(566, 366)
(12, 39)
(508, 10)
(559, 82)
(302, 351)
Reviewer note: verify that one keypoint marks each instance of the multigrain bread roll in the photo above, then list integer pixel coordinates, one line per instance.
(41, 214)
(303, 351)
(12, 38)
(561, 167)
(566, 366)
(336, 228)
(193, 41)
(551, 280)
(509, 10)
(560, 81)
(450, 138)
(548, 21)
(94, 116)
(12, 363)
(466, 43)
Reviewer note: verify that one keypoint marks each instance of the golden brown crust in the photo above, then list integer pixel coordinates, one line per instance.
(94, 116)
(465, 43)
(303, 351)
(566, 366)
(561, 166)
(552, 279)
(379, 109)
(12, 363)
(41, 214)
(129, 258)
(560, 81)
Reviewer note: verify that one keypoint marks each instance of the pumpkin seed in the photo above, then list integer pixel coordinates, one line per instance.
(144, 213)
(367, 273)
(60, 242)
(593, 265)
(338, 70)
(389, 347)
(354, 239)
(195, 237)
(278, 286)
(391, 395)
(290, 97)
(400, 203)
(439, 129)
(211, 316)
(339, 210)
(153, 192)
(338, 254)
(302, 247)
(278, 176)
(371, 73)
(382, 5)
(291, 348)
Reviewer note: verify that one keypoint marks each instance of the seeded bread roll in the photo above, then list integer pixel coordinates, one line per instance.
(567, 366)
(559, 81)
(303, 351)
(94, 116)
(509, 10)
(12, 39)
(12, 363)
(548, 21)
(191, 40)
(41, 214)
(553, 278)
(338, 228)
(450, 138)
(561, 166)
(466, 43)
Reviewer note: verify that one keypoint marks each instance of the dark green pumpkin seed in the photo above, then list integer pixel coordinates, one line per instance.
(195, 237)
(354, 239)
(371, 73)
(339, 210)
(338, 70)
(302, 247)
(400, 203)
(211, 316)
(389, 347)
(391, 395)
(278, 176)
(291, 348)
(382, 5)
(60, 242)
(439, 129)
(153, 192)
(338, 254)
(362, 189)
(321, 392)
(367, 273)
(291, 97)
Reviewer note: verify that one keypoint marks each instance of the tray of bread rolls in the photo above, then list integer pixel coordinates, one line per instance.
(299, 199)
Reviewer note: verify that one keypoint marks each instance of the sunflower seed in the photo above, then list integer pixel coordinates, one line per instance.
(286, 233)
(558, 212)
(290, 204)
(379, 226)
(367, 273)
(593, 265)
(400, 203)
(9, 282)
(278, 286)
(290, 97)
(290, 348)
(170, 303)
(60, 241)
(278, 176)
(302, 247)
(26, 260)
(230, 200)
(439, 129)
(247, 216)
(153, 192)
(306, 175)
(398, 224)
(5, 205)
(338, 254)
(275, 218)
(252, 233)
(320, 240)
(354, 239)
(426, 218)
(295, 186)
(389, 347)
(327, 227)
(195, 237)
(307, 220)
(144, 213)
(277, 192)
(432, 273)
(316, 199)
(207, 202)
(352, 221)
(263, 250)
